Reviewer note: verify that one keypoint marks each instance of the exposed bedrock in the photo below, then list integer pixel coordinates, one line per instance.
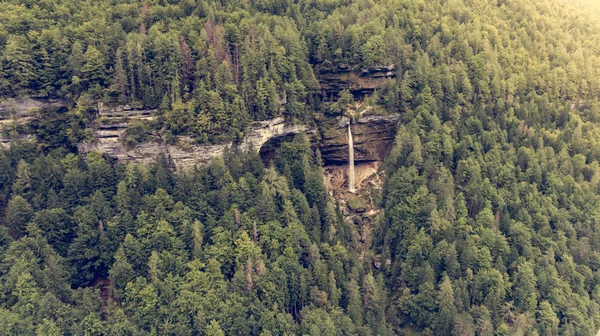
(373, 139)
(360, 82)
(185, 152)
(20, 111)
(17, 108)
(373, 135)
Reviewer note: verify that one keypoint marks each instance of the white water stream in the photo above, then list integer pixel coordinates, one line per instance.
(350, 161)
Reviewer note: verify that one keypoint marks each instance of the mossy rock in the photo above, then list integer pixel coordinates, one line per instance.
(357, 204)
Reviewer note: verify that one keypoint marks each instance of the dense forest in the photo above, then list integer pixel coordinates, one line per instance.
(490, 206)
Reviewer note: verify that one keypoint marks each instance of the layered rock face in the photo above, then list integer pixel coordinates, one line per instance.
(185, 153)
(360, 82)
(18, 112)
(373, 139)
(373, 135)
(23, 107)
(113, 122)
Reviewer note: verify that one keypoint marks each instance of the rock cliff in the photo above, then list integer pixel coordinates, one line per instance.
(373, 135)
(185, 153)
(360, 82)
(15, 112)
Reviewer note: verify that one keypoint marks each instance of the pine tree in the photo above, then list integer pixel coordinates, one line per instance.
(18, 214)
(93, 70)
(445, 319)
(354, 308)
(214, 329)
(119, 78)
(121, 273)
(333, 292)
(22, 184)
(524, 287)
(18, 64)
(48, 328)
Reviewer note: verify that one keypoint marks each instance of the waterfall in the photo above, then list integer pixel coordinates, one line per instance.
(350, 161)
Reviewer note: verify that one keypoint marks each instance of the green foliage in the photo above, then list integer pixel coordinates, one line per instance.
(211, 69)
(136, 133)
(356, 203)
(18, 214)
(157, 265)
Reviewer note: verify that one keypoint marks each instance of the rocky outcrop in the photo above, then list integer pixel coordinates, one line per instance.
(263, 131)
(182, 155)
(18, 108)
(373, 138)
(185, 152)
(113, 121)
(373, 135)
(360, 82)
(15, 112)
